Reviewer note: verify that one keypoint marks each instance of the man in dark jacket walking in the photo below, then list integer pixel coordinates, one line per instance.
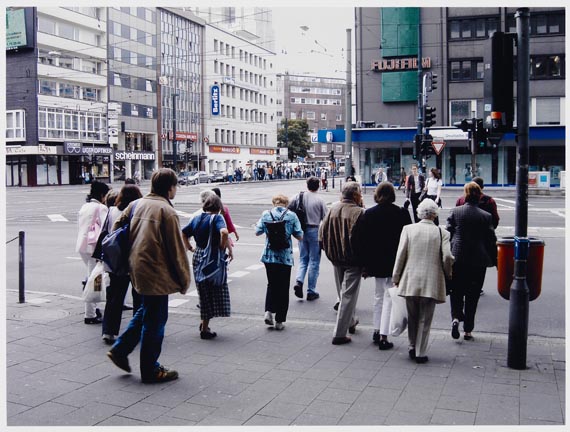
(378, 231)
(414, 187)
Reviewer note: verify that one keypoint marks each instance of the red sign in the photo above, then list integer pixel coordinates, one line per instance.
(183, 136)
(223, 149)
(259, 151)
(438, 146)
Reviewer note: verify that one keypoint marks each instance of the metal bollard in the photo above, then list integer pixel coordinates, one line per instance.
(21, 249)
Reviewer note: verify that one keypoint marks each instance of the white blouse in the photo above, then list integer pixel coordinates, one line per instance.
(432, 185)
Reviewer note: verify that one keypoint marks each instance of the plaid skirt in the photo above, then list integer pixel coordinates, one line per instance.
(214, 299)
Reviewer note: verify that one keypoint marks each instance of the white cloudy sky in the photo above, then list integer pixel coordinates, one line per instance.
(321, 48)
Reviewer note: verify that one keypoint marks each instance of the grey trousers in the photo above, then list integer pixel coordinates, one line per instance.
(347, 279)
(420, 314)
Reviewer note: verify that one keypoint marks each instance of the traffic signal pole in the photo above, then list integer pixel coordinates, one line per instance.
(474, 149)
(419, 130)
(519, 293)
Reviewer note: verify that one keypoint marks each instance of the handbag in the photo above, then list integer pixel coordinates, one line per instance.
(213, 266)
(116, 247)
(448, 281)
(96, 286)
(399, 312)
(98, 252)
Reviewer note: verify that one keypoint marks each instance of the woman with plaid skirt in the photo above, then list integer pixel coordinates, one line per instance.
(214, 299)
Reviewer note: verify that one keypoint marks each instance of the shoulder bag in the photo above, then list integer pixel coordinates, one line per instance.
(448, 281)
(213, 266)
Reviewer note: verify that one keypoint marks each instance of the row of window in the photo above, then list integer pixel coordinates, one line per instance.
(229, 71)
(135, 83)
(68, 31)
(67, 90)
(57, 123)
(226, 136)
(541, 24)
(70, 62)
(138, 110)
(92, 12)
(131, 57)
(253, 115)
(313, 79)
(142, 13)
(310, 115)
(316, 90)
(313, 101)
(15, 125)
(541, 67)
(132, 33)
(230, 51)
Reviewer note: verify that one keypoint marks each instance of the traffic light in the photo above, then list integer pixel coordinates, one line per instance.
(189, 145)
(417, 149)
(429, 116)
(431, 82)
(466, 125)
(331, 157)
(498, 83)
(481, 135)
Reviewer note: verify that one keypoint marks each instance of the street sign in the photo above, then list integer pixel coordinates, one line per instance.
(314, 138)
(438, 146)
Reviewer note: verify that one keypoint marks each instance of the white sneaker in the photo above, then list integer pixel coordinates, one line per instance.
(268, 318)
(279, 326)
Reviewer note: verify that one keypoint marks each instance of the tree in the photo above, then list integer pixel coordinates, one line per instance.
(294, 134)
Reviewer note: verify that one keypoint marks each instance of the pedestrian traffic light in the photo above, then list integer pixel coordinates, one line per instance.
(431, 82)
(480, 135)
(331, 157)
(466, 125)
(498, 83)
(417, 149)
(429, 116)
(427, 149)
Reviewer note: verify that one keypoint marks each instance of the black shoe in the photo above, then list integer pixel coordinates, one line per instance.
(468, 337)
(340, 340)
(120, 362)
(208, 334)
(83, 282)
(352, 328)
(162, 374)
(423, 359)
(298, 288)
(455, 330)
(336, 305)
(376, 337)
(385, 345)
(95, 320)
(412, 353)
(98, 313)
(312, 296)
(481, 293)
(127, 307)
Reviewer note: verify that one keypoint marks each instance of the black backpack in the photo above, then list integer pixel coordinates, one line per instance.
(276, 232)
(298, 208)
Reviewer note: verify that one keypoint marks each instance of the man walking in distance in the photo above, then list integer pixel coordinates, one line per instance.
(336, 235)
(414, 187)
(309, 249)
(158, 267)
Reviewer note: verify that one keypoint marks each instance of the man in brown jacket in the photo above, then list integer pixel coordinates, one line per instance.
(336, 239)
(158, 267)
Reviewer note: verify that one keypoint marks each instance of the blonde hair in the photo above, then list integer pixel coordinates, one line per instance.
(280, 201)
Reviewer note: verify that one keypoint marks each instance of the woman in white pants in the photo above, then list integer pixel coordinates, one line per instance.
(378, 231)
(91, 218)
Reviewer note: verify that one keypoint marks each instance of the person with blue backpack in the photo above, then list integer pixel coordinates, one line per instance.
(278, 224)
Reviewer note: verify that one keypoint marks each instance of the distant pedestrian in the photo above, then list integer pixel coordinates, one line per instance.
(214, 298)
(90, 221)
(414, 186)
(485, 202)
(380, 176)
(323, 179)
(230, 173)
(309, 249)
(119, 285)
(423, 256)
(158, 267)
(474, 246)
(336, 235)
(433, 186)
(278, 262)
(403, 176)
(379, 234)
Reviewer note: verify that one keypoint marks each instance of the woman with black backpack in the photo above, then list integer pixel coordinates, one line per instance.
(279, 224)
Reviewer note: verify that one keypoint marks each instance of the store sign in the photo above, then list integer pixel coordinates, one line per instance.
(133, 155)
(40, 149)
(75, 148)
(399, 64)
(258, 151)
(183, 136)
(224, 149)
(215, 100)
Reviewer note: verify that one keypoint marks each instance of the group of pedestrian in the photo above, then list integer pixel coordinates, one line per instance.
(380, 242)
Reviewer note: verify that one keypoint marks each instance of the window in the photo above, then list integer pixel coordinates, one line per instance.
(547, 66)
(293, 116)
(339, 117)
(547, 111)
(473, 28)
(466, 70)
(461, 109)
(15, 125)
(323, 116)
(48, 87)
(65, 30)
(310, 115)
(46, 25)
(541, 24)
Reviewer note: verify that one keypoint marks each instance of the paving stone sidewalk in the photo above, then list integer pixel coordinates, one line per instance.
(58, 375)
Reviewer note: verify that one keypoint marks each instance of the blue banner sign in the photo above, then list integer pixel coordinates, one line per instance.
(215, 100)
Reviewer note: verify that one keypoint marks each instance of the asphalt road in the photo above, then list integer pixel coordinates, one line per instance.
(48, 215)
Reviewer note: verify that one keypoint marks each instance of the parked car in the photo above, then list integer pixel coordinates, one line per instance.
(183, 177)
(196, 177)
(219, 176)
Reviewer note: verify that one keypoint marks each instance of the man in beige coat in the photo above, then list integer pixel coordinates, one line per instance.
(423, 255)
(158, 267)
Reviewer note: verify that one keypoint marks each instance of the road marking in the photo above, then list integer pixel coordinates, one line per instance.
(558, 213)
(184, 214)
(71, 296)
(239, 274)
(73, 258)
(192, 293)
(57, 218)
(255, 267)
(177, 302)
(505, 200)
(37, 301)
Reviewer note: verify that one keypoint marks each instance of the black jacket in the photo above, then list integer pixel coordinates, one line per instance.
(378, 233)
(473, 240)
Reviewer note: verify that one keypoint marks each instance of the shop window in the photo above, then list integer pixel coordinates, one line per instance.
(547, 111)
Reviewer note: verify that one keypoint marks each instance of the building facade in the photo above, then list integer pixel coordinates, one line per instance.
(56, 97)
(453, 42)
(320, 101)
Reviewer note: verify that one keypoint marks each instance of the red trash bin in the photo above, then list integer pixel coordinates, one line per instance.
(506, 266)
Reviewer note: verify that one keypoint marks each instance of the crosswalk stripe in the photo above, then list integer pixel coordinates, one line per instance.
(255, 267)
(239, 274)
(177, 302)
(57, 218)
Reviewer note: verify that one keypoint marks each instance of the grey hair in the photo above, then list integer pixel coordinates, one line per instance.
(349, 189)
(205, 194)
(428, 209)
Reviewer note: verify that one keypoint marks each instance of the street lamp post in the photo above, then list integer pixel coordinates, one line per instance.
(174, 142)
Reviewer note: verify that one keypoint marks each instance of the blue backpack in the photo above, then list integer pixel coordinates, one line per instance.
(116, 248)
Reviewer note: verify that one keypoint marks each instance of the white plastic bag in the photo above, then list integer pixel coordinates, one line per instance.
(399, 313)
(96, 286)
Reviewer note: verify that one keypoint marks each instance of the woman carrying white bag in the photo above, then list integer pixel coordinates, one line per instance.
(423, 255)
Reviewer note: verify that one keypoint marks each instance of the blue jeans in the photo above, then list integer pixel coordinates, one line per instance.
(310, 258)
(147, 326)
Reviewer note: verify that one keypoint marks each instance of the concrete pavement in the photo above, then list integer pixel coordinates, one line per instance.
(58, 375)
